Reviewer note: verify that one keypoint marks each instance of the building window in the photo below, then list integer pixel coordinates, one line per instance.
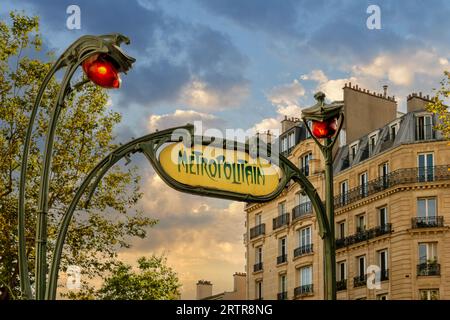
(361, 266)
(281, 208)
(425, 164)
(372, 143)
(259, 255)
(341, 271)
(426, 213)
(363, 183)
(427, 253)
(258, 219)
(284, 144)
(341, 230)
(383, 296)
(393, 132)
(353, 151)
(259, 290)
(429, 294)
(308, 135)
(282, 250)
(361, 278)
(291, 140)
(344, 192)
(383, 263)
(282, 295)
(383, 216)
(383, 170)
(306, 276)
(304, 163)
(304, 237)
(360, 223)
(424, 128)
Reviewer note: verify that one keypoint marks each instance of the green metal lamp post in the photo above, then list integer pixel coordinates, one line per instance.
(324, 119)
(102, 60)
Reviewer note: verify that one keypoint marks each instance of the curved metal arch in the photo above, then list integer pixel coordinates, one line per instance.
(72, 57)
(149, 145)
(97, 173)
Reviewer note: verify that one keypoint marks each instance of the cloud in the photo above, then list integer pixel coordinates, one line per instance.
(274, 17)
(403, 67)
(286, 98)
(182, 117)
(267, 124)
(172, 54)
(201, 96)
(331, 87)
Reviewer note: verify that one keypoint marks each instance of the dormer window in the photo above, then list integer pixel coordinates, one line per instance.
(393, 132)
(372, 142)
(291, 140)
(353, 151)
(424, 127)
(309, 123)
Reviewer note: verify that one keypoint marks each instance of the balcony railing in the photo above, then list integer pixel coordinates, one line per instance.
(384, 274)
(257, 267)
(303, 290)
(300, 251)
(258, 230)
(428, 269)
(302, 210)
(360, 281)
(364, 235)
(282, 295)
(341, 285)
(282, 259)
(428, 222)
(280, 221)
(397, 177)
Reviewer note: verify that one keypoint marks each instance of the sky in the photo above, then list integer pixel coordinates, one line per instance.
(242, 64)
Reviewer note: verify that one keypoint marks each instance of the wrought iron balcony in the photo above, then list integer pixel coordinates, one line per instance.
(304, 290)
(280, 221)
(258, 230)
(282, 259)
(384, 274)
(341, 285)
(257, 267)
(364, 235)
(282, 295)
(429, 269)
(428, 222)
(302, 210)
(300, 251)
(360, 281)
(397, 177)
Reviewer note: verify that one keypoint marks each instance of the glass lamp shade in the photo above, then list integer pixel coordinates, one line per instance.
(324, 129)
(102, 72)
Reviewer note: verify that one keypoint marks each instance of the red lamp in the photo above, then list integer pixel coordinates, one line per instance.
(102, 71)
(324, 129)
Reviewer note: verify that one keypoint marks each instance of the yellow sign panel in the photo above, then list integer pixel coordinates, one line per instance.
(216, 168)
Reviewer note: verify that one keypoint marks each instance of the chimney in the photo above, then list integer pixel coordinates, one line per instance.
(204, 289)
(240, 280)
(385, 87)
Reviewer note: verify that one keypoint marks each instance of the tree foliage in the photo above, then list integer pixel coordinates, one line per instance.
(154, 281)
(84, 136)
(438, 107)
